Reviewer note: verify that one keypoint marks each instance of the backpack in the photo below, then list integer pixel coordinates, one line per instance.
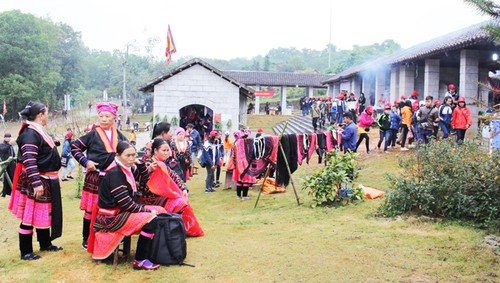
(169, 242)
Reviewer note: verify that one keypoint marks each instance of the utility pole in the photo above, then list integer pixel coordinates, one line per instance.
(124, 68)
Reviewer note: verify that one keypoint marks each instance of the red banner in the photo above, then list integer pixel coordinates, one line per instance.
(264, 93)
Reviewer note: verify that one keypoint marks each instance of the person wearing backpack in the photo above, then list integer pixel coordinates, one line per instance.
(427, 116)
(117, 214)
(384, 124)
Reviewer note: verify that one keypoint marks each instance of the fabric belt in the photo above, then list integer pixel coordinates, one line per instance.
(108, 211)
(52, 175)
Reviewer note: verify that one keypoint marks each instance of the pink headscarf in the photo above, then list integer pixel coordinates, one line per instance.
(107, 106)
(237, 135)
(180, 130)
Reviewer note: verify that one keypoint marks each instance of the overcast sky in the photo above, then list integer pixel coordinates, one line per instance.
(226, 29)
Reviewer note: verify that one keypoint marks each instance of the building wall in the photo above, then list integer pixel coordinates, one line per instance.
(448, 76)
(197, 85)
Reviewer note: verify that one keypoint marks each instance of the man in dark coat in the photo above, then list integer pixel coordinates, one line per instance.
(6, 151)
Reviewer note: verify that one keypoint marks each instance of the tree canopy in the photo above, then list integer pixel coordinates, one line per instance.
(42, 61)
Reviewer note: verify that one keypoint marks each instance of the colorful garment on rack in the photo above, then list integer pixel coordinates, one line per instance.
(313, 145)
(289, 143)
(302, 148)
(321, 138)
(254, 155)
(329, 140)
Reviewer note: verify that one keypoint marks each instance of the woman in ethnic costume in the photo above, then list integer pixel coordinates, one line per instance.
(99, 145)
(181, 152)
(160, 130)
(165, 188)
(118, 214)
(243, 181)
(36, 199)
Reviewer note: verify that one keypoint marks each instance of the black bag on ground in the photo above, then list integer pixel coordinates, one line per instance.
(169, 242)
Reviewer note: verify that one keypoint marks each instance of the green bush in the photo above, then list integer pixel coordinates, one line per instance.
(332, 184)
(448, 181)
(174, 121)
(218, 125)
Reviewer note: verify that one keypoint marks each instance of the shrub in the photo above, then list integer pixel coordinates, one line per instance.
(448, 181)
(333, 183)
(218, 125)
(174, 121)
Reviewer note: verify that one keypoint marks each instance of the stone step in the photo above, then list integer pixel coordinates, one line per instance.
(298, 124)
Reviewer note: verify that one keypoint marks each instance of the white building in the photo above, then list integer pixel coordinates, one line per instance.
(198, 86)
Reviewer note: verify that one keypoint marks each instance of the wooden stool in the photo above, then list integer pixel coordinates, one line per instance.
(125, 250)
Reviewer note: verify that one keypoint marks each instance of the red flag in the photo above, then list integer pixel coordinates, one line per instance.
(170, 46)
(4, 108)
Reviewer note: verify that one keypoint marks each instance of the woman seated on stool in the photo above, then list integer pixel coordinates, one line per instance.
(118, 215)
(165, 188)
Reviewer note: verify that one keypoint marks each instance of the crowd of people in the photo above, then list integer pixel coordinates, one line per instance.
(405, 122)
(122, 194)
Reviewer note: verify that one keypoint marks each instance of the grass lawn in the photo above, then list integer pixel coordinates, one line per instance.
(278, 241)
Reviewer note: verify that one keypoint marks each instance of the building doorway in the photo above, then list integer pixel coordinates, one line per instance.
(199, 115)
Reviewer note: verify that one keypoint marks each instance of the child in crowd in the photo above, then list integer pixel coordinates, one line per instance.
(365, 121)
(132, 137)
(333, 112)
(437, 105)
(395, 124)
(445, 115)
(384, 124)
(406, 114)
(461, 119)
(228, 145)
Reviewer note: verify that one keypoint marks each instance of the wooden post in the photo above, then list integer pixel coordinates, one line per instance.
(290, 174)
(287, 167)
(267, 171)
(3, 170)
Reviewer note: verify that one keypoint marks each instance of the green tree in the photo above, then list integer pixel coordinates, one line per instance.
(69, 52)
(39, 60)
(28, 69)
(491, 8)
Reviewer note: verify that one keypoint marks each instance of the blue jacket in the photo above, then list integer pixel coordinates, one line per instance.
(445, 114)
(210, 154)
(395, 120)
(196, 140)
(66, 149)
(349, 137)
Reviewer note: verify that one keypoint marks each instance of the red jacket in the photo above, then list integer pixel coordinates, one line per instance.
(461, 118)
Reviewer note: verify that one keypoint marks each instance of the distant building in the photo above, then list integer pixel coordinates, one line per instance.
(461, 58)
(195, 90)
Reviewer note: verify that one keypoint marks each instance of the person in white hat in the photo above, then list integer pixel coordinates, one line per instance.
(228, 146)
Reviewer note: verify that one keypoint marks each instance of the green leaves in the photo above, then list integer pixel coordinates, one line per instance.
(448, 181)
(337, 176)
(38, 60)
